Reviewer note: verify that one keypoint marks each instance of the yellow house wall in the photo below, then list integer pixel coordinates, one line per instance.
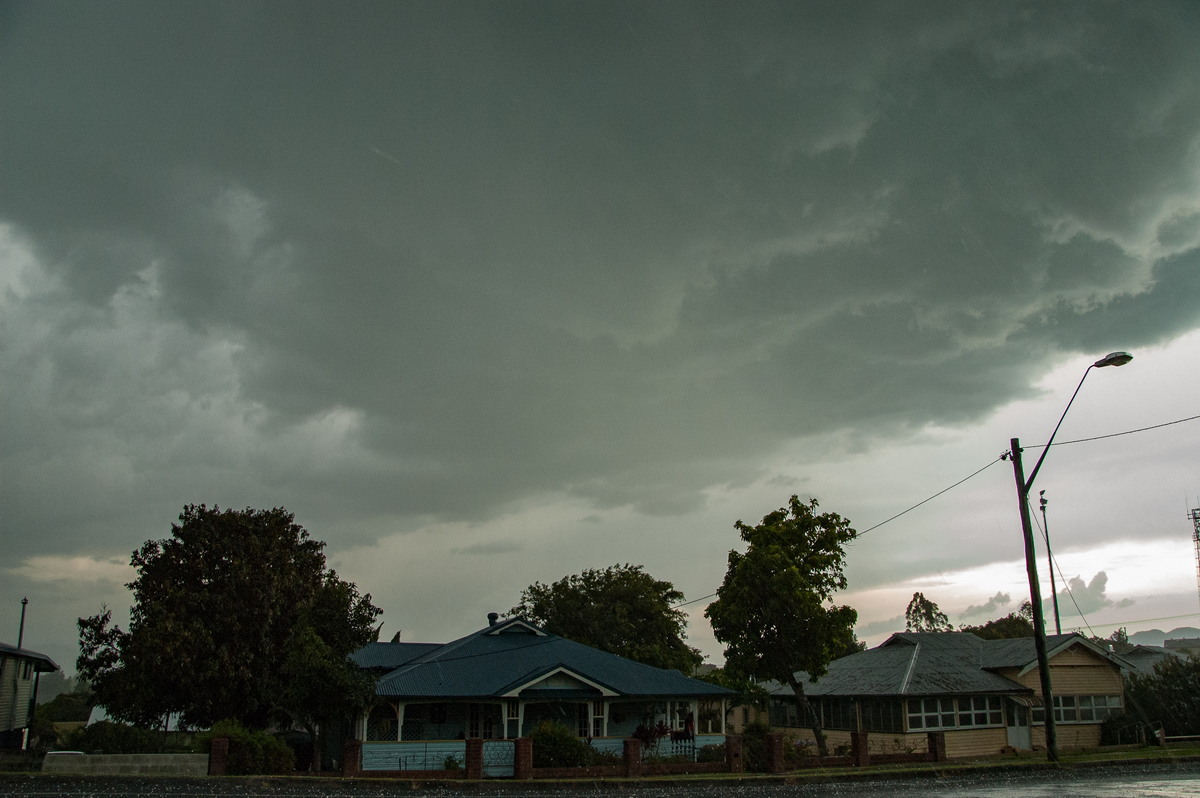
(1070, 735)
(960, 744)
(1075, 671)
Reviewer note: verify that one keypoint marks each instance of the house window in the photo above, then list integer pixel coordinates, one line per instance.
(26, 669)
(783, 713)
(954, 713)
(882, 716)
(481, 721)
(1080, 708)
(980, 711)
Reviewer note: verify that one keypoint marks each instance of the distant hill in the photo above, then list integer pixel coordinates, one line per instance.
(1156, 637)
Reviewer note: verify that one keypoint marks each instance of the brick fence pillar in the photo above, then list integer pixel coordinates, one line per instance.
(937, 746)
(860, 753)
(775, 763)
(733, 753)
(523, 758)
(632, 757)
(351, 758)
(474, 757)
(218, 756)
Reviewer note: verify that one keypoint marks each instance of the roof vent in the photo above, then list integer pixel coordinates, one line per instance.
(493, 617)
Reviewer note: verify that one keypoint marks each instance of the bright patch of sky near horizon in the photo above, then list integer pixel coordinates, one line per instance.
(494, 296)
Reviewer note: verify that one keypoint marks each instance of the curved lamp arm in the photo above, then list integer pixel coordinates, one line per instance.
(1111, 359)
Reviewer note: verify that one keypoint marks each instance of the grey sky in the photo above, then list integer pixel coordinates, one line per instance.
(494, 292)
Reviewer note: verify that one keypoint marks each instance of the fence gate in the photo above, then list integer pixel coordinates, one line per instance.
(499, 757)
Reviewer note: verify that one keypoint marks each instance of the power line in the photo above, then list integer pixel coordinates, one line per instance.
(931, 498)
(1118, 434)
(1004, 456)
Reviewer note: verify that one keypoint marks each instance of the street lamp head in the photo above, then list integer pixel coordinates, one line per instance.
(1113, 359)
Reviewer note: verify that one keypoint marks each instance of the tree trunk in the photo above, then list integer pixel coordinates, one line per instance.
(807, 711)
(316, 736)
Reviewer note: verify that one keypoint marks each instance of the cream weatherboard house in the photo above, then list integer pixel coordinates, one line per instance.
(19, 669)
(983, 694)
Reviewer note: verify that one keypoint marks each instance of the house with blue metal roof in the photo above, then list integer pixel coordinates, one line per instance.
(983, 694)
(502, 681)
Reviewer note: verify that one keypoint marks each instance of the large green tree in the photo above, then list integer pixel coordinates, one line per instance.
(234, 616)
(774, 612)
(622, 610)
(923, 615)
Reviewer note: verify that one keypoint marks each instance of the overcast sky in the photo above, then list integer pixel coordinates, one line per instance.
(490, 293)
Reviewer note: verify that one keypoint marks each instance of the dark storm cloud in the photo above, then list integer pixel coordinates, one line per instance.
(509, 250)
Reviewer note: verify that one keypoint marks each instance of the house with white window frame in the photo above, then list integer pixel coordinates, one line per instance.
(984, 694)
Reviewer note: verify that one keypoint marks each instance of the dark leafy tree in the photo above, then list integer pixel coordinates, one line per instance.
(774, 611)
(622, 610)
(1015, 624)
(1170, 695)
(923, 615)
(234, 616)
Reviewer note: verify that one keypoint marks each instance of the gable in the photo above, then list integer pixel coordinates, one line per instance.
(515, 626)
(560, 683)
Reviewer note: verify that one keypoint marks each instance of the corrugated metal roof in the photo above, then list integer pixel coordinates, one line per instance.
(42, 663)
(390, 655)
(500, 659)
(914, 664)
(939, 663)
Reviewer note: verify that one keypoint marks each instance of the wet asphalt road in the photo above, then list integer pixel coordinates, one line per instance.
(1127, 781)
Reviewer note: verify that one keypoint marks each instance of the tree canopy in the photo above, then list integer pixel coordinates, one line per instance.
(774, 611)
(1015, 624)
(1171, 695)
(923, 615)
(621, 609)
(234, 616)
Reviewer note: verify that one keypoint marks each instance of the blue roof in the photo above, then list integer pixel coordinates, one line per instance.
(516, 658)
(390, 656)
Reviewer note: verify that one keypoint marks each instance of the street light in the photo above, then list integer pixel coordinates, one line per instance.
(1035, 591)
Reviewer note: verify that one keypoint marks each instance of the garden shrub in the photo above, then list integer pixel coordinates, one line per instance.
(555, 746)
(754, 746)
(110, 737)
(251, 752)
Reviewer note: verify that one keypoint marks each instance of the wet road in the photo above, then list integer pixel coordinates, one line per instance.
(1132, 781)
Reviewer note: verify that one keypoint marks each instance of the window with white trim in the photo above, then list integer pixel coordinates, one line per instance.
(955, 713)
(1080, 708)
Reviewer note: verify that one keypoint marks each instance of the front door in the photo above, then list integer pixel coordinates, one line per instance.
(1018, 726)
